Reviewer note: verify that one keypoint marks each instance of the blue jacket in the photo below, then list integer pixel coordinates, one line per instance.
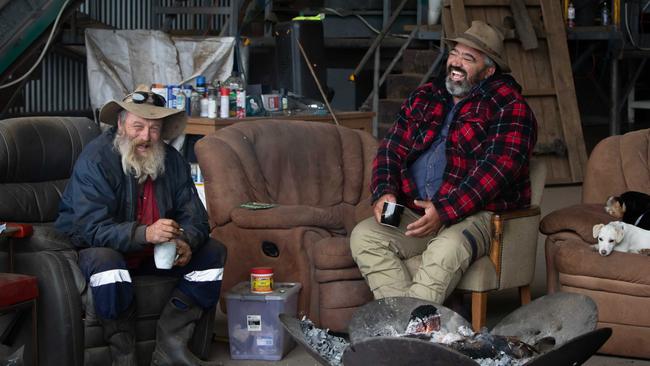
(98, 207)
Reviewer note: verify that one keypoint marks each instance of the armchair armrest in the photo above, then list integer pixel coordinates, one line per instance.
(579, 219)
(19, 231)
(498, 221)
(286, 217)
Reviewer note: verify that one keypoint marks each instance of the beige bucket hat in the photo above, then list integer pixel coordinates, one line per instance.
(485, 38)
(146, 104)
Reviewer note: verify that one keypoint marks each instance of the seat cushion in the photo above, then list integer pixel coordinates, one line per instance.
(624, 273)
(17, 288)
(481, 276)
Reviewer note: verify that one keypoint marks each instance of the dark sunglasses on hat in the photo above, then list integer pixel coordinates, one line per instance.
(141, 97)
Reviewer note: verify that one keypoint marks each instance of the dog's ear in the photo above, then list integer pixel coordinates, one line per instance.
(620, 232)
(597, 229)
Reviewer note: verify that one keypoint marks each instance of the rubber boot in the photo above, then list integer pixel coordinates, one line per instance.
(174, 331)
(120, 336)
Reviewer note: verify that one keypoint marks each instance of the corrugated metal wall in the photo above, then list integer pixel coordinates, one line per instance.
(61, 90)
(63, 87)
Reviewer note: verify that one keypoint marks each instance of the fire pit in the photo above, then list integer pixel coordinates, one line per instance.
(562, 327)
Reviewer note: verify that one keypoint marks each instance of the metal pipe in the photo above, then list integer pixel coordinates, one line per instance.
(320, 88)
(377, 40)
(392, 64)
(375, 96)
(631, 85)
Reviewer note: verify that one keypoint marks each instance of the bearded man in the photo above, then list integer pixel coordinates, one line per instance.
(130, 191)
(457, 151)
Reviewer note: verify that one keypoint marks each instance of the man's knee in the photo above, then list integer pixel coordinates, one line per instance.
(359, 238)
(211, 255)
(94, 260)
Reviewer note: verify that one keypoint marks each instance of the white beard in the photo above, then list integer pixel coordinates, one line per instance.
(151, 165)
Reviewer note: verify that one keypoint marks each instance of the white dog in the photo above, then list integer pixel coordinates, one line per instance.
(621, 237)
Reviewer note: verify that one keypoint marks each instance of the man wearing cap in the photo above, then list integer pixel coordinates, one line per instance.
(459, 148)
(130, 191)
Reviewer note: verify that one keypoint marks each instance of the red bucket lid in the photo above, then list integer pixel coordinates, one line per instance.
(262, 270)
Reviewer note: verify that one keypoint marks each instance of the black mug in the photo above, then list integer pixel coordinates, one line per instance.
(391, 214)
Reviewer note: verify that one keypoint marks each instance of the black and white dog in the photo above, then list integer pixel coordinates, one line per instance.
(630, 207)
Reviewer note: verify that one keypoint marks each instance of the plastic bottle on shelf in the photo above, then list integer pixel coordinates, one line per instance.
(204, 105)
(200, 84)
(212, 103)
(235, 85)
(571, 15)
(196, 104)
(604, 14)
(187, 90)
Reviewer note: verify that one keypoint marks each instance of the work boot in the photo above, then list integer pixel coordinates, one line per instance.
(173, 332)
(120, 335)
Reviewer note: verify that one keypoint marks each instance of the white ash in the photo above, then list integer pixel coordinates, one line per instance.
(504, 360)
(328, 346)
(445, 337)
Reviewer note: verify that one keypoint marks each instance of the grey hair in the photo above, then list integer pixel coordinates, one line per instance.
(121, 117)
(489, 62)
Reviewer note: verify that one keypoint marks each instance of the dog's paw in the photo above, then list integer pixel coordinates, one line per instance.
(644, 251)
(594, 247)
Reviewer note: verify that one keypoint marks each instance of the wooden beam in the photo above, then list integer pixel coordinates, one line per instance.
(523, 24)
(459, 16)
(563, 81)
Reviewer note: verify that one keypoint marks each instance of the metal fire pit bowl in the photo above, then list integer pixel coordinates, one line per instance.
(568, 318)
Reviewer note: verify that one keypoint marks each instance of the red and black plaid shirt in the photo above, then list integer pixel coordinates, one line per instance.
(488, 149)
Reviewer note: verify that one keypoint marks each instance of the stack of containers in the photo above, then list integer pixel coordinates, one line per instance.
(254, 327)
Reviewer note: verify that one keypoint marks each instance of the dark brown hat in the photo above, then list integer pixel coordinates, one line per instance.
(485, 38)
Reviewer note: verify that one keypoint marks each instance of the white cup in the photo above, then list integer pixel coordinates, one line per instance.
(164, 255)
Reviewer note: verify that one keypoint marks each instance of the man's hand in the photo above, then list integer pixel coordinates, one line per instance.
(162, 230)
(379, 205)
(184, 253)
(427, 224)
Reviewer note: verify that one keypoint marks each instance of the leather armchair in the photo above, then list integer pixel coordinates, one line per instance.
(620, 282)
(318, 177)
(37, 155)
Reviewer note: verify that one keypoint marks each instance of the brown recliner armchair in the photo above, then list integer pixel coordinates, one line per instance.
(620, 282)
(317, 175)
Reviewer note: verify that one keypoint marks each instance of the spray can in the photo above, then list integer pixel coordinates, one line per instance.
(224, 103)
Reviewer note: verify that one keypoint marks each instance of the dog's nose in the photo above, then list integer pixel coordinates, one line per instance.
(603, 252)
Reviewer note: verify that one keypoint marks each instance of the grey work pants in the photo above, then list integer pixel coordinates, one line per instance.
(380, 252)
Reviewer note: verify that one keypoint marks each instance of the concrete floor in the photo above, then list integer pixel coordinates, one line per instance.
(499, 304)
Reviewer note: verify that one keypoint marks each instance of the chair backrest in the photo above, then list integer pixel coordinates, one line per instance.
(285, 162)
(617, 164)
(537, 180)
(37, 155)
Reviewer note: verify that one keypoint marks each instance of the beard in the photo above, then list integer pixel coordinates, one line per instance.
(150, 165)
(461, 88)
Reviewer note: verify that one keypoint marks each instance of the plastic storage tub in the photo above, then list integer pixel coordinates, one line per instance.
(254, 329)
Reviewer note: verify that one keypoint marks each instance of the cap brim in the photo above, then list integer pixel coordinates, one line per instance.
(467, 42)
(174, 120)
